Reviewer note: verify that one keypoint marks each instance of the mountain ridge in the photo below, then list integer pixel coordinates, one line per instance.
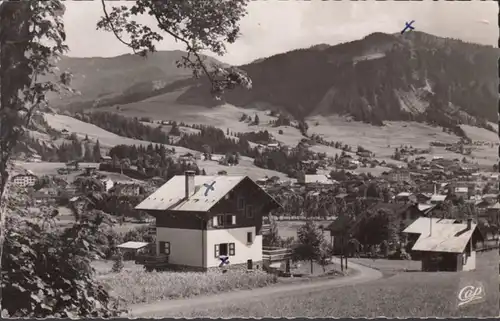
(128, 77)
(367, 79)
(411, 77)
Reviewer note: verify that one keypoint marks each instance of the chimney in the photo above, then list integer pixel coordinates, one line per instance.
(189, 183)
(469, 224)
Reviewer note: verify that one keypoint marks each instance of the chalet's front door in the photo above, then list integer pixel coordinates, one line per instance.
(249, 265)
(162, 248)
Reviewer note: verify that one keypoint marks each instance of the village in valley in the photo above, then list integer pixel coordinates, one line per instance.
(332, 219)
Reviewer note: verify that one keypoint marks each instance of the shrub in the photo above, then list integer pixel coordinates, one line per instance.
(145, 287)
(118, 263)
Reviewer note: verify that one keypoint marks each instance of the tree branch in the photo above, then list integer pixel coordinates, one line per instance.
(113, 29)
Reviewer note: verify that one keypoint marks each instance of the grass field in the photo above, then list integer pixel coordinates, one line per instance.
(106, 139)
(134, 285)
(288, 229)
(332, 128)
(406, 294)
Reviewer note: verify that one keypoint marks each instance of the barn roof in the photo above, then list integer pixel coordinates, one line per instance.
(422, 224)
(318, 178)
(425, 208)
(171, 195)
(451, 238)
(133, 245)
(438, 198)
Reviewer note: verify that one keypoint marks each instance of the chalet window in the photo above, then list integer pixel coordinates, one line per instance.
(164, 248)
(241, 203)
(230, 220)
(223, 220)
(224, 249)
(249, 210)
(249, 238)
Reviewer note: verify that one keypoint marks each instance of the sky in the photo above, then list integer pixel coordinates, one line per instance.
(276, 26)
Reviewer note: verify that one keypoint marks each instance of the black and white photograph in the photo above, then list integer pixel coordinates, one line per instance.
(238, 158)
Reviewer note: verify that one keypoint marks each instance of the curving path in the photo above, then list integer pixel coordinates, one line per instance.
(162, 308)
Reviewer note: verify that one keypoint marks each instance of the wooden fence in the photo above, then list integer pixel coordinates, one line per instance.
(304, 218)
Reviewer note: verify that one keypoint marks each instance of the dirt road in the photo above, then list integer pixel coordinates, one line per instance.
(164, 308)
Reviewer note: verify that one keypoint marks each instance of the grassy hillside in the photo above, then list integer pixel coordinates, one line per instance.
(120, 79)
(332, 128)
(108, 140)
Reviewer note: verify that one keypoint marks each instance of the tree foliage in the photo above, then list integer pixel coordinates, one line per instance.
(309, 241)
(199, 25)
(46, 271)
(272, 238)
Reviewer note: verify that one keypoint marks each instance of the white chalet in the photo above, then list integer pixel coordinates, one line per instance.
(201, 218)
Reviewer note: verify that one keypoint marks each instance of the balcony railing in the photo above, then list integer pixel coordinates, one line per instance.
(275, 253)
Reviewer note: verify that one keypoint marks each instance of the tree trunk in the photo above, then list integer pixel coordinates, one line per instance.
(312, 267)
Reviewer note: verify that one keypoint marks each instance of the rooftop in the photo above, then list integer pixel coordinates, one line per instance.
(171, 195)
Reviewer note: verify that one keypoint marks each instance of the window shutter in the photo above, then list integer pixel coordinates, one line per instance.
(167, 248)
(233, 220)
(216, 250)
(214, 221)
(231, 249)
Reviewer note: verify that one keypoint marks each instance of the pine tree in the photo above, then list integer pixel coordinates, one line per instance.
(118, 262)
(88, 156)
(310, 238)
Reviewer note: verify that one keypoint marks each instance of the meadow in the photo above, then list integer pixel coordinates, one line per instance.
(382, 140)
(133, 285)
(106, 139)
(415, 294)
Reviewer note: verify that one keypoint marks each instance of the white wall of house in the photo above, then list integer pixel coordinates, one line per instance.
(470, 265)
(185, 245)
(238, 236)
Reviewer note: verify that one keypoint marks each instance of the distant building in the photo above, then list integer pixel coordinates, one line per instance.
(24, 180)
(437, 198)
(364, 154)
(315, 179)
(398, 176)
(462, 192)
(188, 157)
(106, 159)
(273, 146)
(423, 198)
(405, 197)
(45, 196)
(35, 158)
(108, 184)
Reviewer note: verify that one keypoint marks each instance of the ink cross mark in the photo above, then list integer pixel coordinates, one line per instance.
(210, 187)
(408, 26)
(224, 260)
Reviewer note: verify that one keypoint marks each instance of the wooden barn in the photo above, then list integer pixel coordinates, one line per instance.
(445, 245)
